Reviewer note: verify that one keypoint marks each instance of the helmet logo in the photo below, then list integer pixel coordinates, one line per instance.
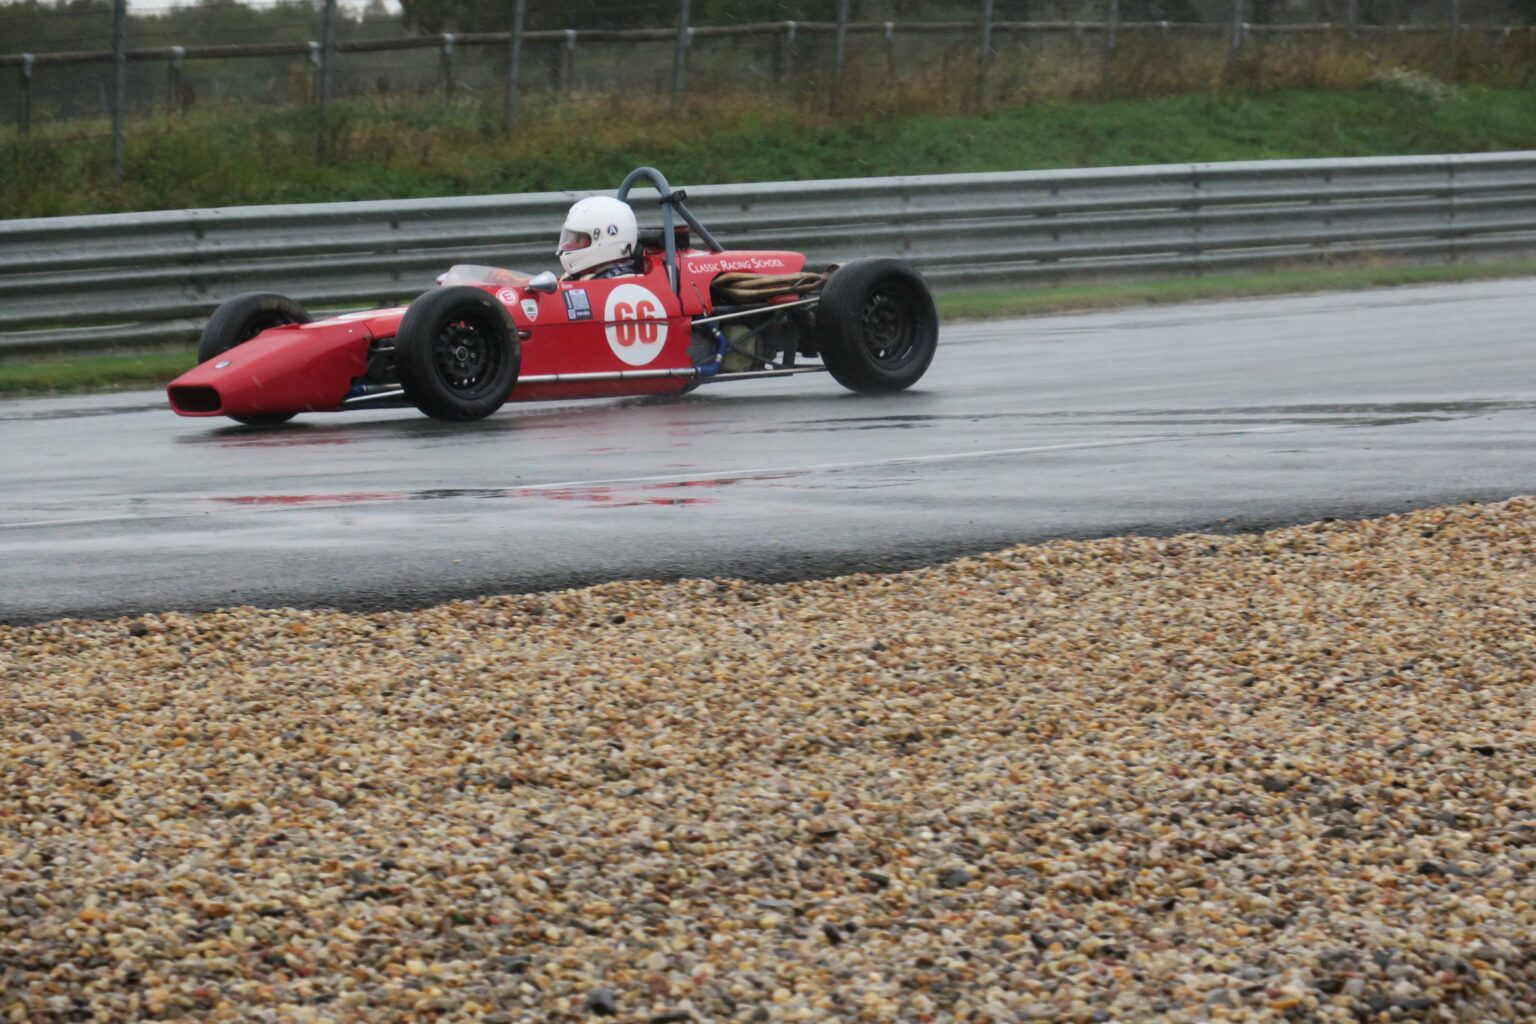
(613, 229)
(636, 324)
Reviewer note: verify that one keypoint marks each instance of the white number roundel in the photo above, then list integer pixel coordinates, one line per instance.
(636, 324)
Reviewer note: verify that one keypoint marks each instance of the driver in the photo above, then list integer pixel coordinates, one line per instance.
(598, 240)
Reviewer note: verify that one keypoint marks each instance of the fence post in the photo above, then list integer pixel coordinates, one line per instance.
(680, 56)
(984, 58)
(1352, 16)
(788, 68)
(566, 70)
(840, 54)
(445, 61)
(890, 49)
(327, 78)
(1455, 38)
(1112, 30)
(1237, 30)
(173, 78)
(24, 117)
(119, 88)
(514, 66)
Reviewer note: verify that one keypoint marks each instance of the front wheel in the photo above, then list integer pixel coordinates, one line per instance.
(876, 325)
(457, 354)
(238, 321)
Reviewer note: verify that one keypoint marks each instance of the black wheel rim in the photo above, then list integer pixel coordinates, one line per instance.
(467, 358)
(889, 328)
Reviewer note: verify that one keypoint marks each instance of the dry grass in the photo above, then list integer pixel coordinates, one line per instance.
(1147, 64)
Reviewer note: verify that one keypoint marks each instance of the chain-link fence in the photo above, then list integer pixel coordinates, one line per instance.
(103, 66)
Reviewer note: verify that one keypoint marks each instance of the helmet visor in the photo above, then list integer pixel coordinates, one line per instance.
(572, 240)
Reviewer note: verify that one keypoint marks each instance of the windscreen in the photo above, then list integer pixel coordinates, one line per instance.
(474, 273)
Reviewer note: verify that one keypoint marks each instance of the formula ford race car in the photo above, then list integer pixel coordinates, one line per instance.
(683, 318)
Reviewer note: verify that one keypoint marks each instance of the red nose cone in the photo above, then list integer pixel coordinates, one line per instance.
(306, 368)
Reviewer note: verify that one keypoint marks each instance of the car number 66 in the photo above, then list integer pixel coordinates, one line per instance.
(636, 324)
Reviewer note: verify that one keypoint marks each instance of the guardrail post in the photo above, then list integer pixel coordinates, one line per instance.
(119, 88)
(1352, 22)
(1238, 30)
(327, 57)
(890, 49)
(1112, 31)
(984, 57)
(1452, 236)
(840, 54)
(514, 66)
(24, 97)
(173, 79)
(680, 56)
(445, 63)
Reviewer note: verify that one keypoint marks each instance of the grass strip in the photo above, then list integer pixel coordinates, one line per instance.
(401, 150)
(982, 304)
(93, 373)
(114, 372)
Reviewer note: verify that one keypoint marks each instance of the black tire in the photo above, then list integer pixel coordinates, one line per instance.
(237, 322)
(457, 354)
(876, 326)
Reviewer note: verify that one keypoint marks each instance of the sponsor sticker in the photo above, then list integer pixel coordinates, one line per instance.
(531, 309)
(221, 364)
(636, 324)
(748, 263)
(577, 305)
(506, 296)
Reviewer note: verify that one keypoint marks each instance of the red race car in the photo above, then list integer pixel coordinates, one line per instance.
(667, 319)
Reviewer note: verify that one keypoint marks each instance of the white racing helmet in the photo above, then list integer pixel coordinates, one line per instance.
(598, 230)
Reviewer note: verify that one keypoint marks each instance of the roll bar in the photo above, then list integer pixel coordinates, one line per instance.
(670, 201)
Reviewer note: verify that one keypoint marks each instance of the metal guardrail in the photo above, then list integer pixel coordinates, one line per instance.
(93, 283)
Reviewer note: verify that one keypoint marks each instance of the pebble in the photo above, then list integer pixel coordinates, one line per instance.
(1259, 777)
(601, 1002)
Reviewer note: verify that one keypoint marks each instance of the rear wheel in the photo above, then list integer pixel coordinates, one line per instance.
(876, 326)
(457, 354)
(237, 322)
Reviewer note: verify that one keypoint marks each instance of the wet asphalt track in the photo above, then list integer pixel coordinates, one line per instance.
(1223, 416)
